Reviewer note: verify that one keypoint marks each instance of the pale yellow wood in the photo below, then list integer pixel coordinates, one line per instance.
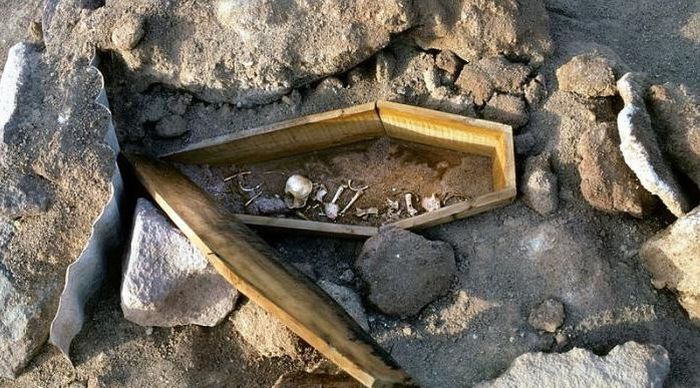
(459, 210)
(253, 268)
(364, 122)
(287, 138)
(341, 230)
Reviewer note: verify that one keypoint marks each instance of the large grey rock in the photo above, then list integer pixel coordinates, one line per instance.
(167, 281)
(590, 75)
(475, 29)
(627, 365)
(70, 146)
(640, 147)
(347, 299)
(250, 52)
(673, 258)
(675, 113)
(403, 271)
(607, 183)
(540, 185)
(265, 333)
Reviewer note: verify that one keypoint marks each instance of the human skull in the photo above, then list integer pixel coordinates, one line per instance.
(297, 191)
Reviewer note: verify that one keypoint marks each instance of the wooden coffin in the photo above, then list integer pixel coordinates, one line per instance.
(360, 123)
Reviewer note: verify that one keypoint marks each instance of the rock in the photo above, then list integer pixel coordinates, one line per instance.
(265, 333)
(29, 197)
(627, 365)
(171, 126)
(540, 187)
(167, 281)
(590, 75)
(476, 82)
(507, 77)
(448, 62)
(506, 109)
(607, 183)
(179, 103)
(403, 271)
(348, 299)
(672, 256)
(307, 269)
(548, 316)
(347, 276)
(253, 52)
(269, 205)
(386, 62)
(524, 143)
(675, 114)
(71, 145)
(640, 148)
(128, 31)
(475, 29)
(535, 92)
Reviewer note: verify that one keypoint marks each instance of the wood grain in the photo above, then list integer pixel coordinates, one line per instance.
(254, 269)
(316, 227)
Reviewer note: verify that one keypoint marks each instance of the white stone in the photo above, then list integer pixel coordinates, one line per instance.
(640, 147)
(627, 365)
(167, 281)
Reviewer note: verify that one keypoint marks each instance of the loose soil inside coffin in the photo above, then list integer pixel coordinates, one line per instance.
(389, 167)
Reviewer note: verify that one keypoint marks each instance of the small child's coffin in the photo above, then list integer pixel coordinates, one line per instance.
(349, 171)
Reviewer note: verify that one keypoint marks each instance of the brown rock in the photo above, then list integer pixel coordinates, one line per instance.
(607, 183)
(507, 77)
(477, 83)
(475, 29)
(672, 256)
(548, 316)
(507, 109)
(128, 31)
(450, 63)
(589, 75)
(675, 114)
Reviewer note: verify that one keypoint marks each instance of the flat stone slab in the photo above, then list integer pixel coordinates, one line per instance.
(167, 281)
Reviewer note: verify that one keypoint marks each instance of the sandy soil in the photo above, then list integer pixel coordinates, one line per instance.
(509, 259)
(388, 168)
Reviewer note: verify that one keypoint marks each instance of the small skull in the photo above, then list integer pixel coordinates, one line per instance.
(297, 191)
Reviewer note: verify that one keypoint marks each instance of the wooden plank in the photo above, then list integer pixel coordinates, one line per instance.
(340, 230)
(439, 129)
(459, 210)
(287, 138)
(254, 269)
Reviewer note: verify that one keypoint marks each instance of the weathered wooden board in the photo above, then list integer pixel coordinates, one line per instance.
(253, 268)
(287, 138)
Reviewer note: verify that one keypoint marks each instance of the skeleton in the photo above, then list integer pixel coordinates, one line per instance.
(408, 197)
(372, 211)
(321, 192)
(393, 209)
(358, 193)
(331, 209)
(297, 191)
(430, 204)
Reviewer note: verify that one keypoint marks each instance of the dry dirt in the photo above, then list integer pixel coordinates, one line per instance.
(389, 168)
(509, 260)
